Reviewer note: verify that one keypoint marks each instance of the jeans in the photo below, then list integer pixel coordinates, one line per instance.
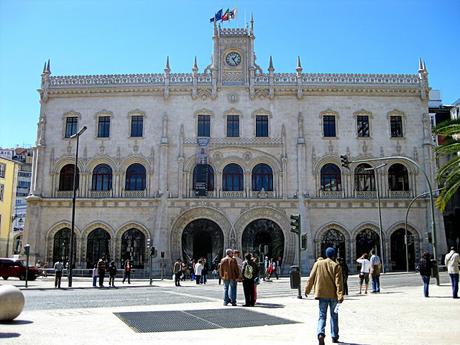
(323, 304)
(426, 285)
(94, 281)
(376, 284)
(454, 280)
(232, 298)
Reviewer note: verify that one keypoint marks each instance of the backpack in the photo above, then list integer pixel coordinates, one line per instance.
(247, 273)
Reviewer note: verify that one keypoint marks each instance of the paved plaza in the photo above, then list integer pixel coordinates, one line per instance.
(194, 314)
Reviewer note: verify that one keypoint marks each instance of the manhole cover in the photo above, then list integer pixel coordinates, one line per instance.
(188, 320)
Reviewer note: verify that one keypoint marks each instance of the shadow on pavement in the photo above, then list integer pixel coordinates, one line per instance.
(269, 305)
(343, 343)
(9, 335)
(16, 322)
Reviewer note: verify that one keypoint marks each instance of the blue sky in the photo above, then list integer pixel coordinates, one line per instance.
(135, 36)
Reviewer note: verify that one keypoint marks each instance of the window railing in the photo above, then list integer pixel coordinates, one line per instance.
(366, 194)
(134, 193)
(100, 194)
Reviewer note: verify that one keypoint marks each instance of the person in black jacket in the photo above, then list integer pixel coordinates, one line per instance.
(424, 267)
(112, 273)
(249, 272)
(343, 264)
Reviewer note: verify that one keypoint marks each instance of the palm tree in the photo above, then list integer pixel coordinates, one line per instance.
(449, 175)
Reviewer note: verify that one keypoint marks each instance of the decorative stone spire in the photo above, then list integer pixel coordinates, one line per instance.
(167, 68)
(423, 76)
(270, 65)
(48, 68)
(420, 65)
(45, 82)
(195, 66)
(167, 79)
(299, 68)
(252, 25)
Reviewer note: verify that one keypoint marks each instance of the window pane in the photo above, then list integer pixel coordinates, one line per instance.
(71, 126)
(137, 124)
(363, 126)
(103, 130)
(331, 178)
(204, 126)
(233, 126)
(261, 126)
(329, 125)
(135, 177)
(396, 126)
(232, 178)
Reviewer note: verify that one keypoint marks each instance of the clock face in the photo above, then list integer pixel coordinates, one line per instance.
(233, 59)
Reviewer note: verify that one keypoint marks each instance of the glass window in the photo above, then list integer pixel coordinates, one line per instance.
(133, 247)
(363, 126)
(102, 177)
(261, 126)
(329, 125)
(61, 246)
(232, 178)
(204, 125)
(103, 127)
(203, 177)
(71, 124)
(98, 245)
(135, 177)
(396, 126)
(2, 191)
(66, 178)
(398, 178)
(233, 126)
(137, 126)
(330, 178)
(364, 179)
(2, 170)
(262, 177)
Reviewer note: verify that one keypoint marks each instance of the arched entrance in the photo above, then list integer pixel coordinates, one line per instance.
(398, 250)
(335, 239)
(61, 246)
(263, 237)
(367, 240)
(98, 245)
(133, 247)
(202, 238)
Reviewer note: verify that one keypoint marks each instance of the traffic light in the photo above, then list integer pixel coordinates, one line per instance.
(148, 243)
(345, 161)
(430, 237)
(162, 254)
(303, 242)
(153, 252)
(295, 223)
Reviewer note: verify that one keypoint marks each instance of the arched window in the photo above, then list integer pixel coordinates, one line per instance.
(61, 246)
(398, 178)
(364, 179)
(133, 247)
(203, 177)
(331, 178)
(232, 178)
(66, 177)
(98, 245)
(135, 177)
(102, 177)
(262, 177)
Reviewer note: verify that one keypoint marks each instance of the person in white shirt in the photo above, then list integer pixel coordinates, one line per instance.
(58, 268)
(198, 271)
(452, 261)
(364, 272)
(376, 265)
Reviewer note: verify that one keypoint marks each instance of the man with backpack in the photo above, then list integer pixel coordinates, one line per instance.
(249, 272)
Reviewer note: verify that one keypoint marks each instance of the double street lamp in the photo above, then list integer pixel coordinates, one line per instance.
(74, 196)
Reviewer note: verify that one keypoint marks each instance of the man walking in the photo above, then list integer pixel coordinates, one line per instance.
(452, 260)
(326, 276)
(230, 273)
(101, 271)
(177, 270)
(58, 268)
(375, 272)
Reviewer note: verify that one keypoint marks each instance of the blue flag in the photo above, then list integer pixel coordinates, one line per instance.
(217, 16)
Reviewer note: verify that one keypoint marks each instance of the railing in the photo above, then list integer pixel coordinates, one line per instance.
(331, 194)
(400, 194)
(100, 194)
(368, 194)
(64, 194)
(134, 193)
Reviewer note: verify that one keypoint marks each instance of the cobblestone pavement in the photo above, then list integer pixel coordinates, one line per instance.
(86, 315)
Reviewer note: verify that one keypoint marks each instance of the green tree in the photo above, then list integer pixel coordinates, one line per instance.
(449, 175)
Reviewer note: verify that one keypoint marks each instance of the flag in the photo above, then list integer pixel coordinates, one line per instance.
(217, 16)
(229, 14)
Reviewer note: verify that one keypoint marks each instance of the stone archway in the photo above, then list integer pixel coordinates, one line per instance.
(202, 238)
(197, 213)
(97, 246)
(398, 249)
(366, 241)
(263, 237)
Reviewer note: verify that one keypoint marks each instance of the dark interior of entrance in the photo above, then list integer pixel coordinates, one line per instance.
(398, 250)
(263, 237)
(202, 238)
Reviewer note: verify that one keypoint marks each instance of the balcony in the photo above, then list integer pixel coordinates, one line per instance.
(366, 194)
(134, 194)
(100, 194)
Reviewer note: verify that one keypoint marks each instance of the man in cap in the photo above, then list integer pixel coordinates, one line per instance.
(326, 276)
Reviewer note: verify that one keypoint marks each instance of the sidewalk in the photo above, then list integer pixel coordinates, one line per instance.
(396, 316)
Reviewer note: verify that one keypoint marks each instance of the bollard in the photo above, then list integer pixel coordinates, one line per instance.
(11, 302)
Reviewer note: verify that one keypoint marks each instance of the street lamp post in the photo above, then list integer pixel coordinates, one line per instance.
(74, 196)
(377, 189)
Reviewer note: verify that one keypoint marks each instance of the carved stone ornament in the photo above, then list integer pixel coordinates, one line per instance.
(217, 157)
(398, 147)
(330, 147)
(247, 156)
(135, 147)
(233, 98)
(69, 147)
(415, 154)
(382, 152)
(365, 147)
(102, 148)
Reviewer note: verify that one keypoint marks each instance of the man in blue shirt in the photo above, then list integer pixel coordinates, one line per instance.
(376, 266)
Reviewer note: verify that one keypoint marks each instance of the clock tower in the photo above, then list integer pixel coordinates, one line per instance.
(233, 56)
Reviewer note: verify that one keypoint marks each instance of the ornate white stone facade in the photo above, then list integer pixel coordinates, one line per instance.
(295, 149)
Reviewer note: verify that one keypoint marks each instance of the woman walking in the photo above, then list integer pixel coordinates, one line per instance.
(127, 271)
(424, 267)
(364, 272)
